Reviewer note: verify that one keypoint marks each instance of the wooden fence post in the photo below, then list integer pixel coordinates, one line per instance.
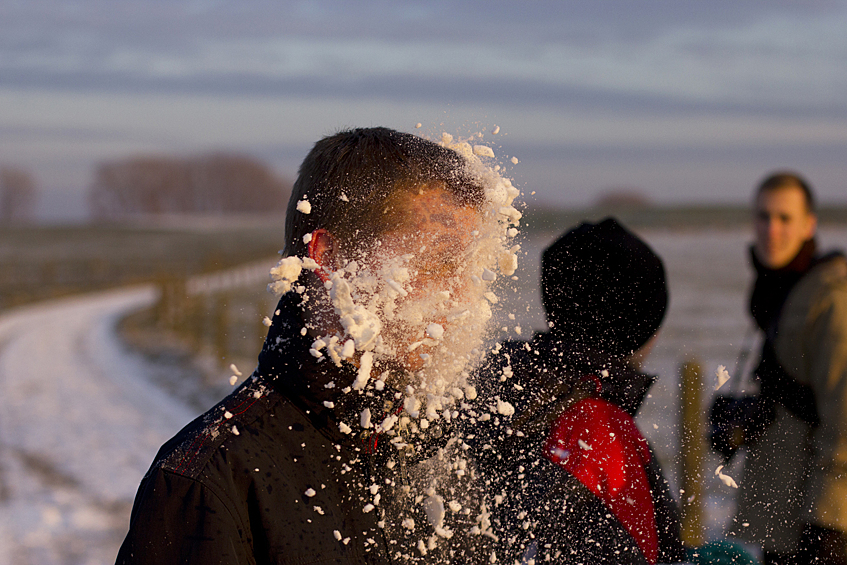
(692, 445)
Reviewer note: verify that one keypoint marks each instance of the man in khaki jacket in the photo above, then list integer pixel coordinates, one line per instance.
(793, 497)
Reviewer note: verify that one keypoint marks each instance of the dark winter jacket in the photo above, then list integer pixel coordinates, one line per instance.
(266, 476)
(541, 508)
(277, 473)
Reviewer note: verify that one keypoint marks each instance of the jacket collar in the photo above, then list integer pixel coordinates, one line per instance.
(772, 286)
(322, 390)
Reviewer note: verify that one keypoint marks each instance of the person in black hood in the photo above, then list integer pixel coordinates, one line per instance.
(573, 480)
(311, 459)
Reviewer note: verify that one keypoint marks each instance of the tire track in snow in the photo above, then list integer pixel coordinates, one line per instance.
(79, 424)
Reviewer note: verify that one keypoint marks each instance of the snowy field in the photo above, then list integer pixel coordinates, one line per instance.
(80, 423)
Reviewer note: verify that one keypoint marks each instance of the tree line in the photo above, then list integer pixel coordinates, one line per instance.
(216, 183)
(18, 195)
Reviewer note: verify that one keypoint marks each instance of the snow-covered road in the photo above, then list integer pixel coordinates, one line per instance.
(79, 424)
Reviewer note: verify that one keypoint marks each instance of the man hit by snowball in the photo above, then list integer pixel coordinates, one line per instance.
(344, 451)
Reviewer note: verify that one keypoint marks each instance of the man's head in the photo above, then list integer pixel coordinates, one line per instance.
(391, 223)
(603, 288)
(354, 182)
(784, 218)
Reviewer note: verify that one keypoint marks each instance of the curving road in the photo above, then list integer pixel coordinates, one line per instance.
(79, 424)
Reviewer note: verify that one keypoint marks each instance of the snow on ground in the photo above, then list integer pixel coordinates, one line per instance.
(79, 425)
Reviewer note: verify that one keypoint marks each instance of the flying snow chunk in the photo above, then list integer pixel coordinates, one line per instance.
(433, 507)
(435, 331)
(584, 445)
(284, 274)
(267, 321)
(722, 376)
(488, 275)
(418, 125)
(504, 408)
(496, 130)
(337, 534)
(235, 370)
(304, 206)
(364, 373)
(514, 160)
(348, 349)
(310, 492)
(483, 151)
(232, 380)
(365, 418)
(725, 479)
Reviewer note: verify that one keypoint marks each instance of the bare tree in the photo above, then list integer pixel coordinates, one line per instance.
(17, 195)
(217, 183)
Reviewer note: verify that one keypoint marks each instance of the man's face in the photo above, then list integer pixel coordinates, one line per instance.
(783, 224)
(433, 243)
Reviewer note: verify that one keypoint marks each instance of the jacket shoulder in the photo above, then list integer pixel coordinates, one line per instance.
(190, 450)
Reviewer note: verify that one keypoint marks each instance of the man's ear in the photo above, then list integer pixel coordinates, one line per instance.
(323, 250)
(812, 226)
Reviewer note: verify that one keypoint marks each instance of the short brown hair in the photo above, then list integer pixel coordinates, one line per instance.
(788, 179)
(352, 181)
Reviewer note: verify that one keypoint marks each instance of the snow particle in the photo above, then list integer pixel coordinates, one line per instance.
(722, 375)
(435, 331)
(725, 479)
(483, 151)
(310, 492)
(504, 408)
(304, 206)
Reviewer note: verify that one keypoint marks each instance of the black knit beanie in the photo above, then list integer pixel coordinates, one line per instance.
(603, 288)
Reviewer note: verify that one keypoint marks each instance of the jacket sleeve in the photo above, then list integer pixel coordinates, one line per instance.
(826, 358)
(178, 520)
(812, 346)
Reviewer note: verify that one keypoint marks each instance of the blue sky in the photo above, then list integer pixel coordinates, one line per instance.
(683, 101)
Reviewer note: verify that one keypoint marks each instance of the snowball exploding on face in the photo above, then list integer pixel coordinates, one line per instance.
(413, 313)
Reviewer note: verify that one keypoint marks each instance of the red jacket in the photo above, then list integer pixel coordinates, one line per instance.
(599, 444)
